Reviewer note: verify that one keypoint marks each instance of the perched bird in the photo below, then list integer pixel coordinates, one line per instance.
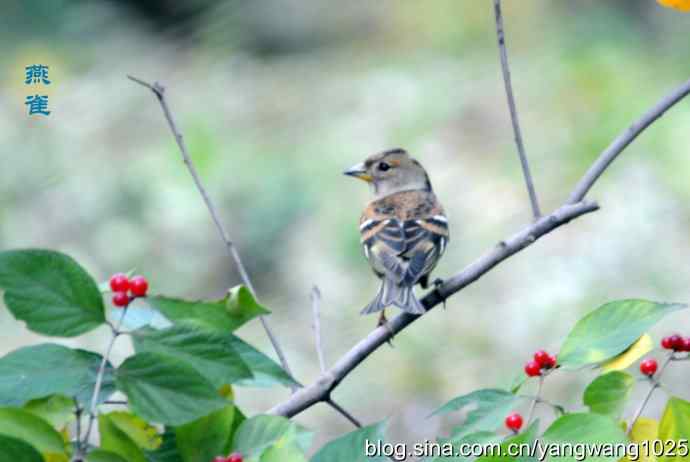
(403, 229)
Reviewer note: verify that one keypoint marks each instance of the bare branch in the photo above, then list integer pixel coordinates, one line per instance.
(315, 303)
(321, 389)
(159, 91)
(624, 139)
(513, 110)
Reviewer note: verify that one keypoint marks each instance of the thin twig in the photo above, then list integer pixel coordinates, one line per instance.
(513, 111)
(624, 139)
(320, 389)
(654, 381)
(77, 414)
(537, 399)
(97, 388)
(344, 412)
(316, 303)
(159, 91)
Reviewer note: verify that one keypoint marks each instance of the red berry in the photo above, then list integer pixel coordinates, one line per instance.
(235, 457)
(677, 342)
(533, 369)
(542, 357)
(138, 285)
(119, 282)
(551, 362)
(120, 299)
(514, 421)
(667, 343)
(648, 367)
(686, 344)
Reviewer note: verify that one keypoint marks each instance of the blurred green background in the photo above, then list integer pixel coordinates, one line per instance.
(276, 98)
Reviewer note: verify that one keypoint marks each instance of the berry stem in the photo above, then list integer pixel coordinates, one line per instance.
(83, 443)
(654, 381)
(537, 399)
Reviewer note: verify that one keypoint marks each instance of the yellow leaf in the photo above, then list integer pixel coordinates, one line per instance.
(644, 430)
(641, 347)
(680, 5)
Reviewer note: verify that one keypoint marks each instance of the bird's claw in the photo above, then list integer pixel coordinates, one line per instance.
(438, 282)
(383, 321)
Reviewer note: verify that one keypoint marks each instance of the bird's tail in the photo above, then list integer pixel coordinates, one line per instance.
(391, 293)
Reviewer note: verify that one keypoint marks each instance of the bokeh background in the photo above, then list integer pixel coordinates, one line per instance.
(276, 98)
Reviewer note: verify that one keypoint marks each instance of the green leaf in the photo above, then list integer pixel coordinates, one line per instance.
(50, 292)
(167, 452)
(209, 352)
(21, 424)
(259, 433)
(289, 453)
(165, 390)
(265, 371)
(641, 347)
(42, 370)
(525, 437)
(608, 393)
(225, 315)
(57, 410)
(115, 439)
(351, 447)
(589, 429)
(491, 407)
(99, 455)
(242, 307)
(609, 330)
(17, 450)
(675, 426)
(207, 437)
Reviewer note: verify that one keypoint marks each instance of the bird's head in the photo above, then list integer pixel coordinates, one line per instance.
(391, 171)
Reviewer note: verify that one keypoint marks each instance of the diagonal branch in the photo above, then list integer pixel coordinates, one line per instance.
(159, 91)
(624, 139)
(324, 385)
(575, 207)
(513, 110)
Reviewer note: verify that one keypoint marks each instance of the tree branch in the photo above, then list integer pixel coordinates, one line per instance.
(321, 389)
(159, 91)
(624, 139)
(573, 208)
(513, 111)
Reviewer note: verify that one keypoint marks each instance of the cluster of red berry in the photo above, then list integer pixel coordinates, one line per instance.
(234, 457)
(127, 289)
(542, 361)
(676, 342)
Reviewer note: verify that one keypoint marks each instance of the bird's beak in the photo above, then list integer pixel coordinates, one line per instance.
(359, 171)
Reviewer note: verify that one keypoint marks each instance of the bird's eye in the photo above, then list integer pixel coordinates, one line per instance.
(384, 166)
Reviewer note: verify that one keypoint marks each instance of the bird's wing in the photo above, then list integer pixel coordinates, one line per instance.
(427, 239)
(404, 250)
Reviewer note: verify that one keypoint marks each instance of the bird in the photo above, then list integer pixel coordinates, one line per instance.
(403, 229)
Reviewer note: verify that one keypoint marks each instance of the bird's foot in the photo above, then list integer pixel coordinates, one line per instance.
(438, 282)
(383, 321)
